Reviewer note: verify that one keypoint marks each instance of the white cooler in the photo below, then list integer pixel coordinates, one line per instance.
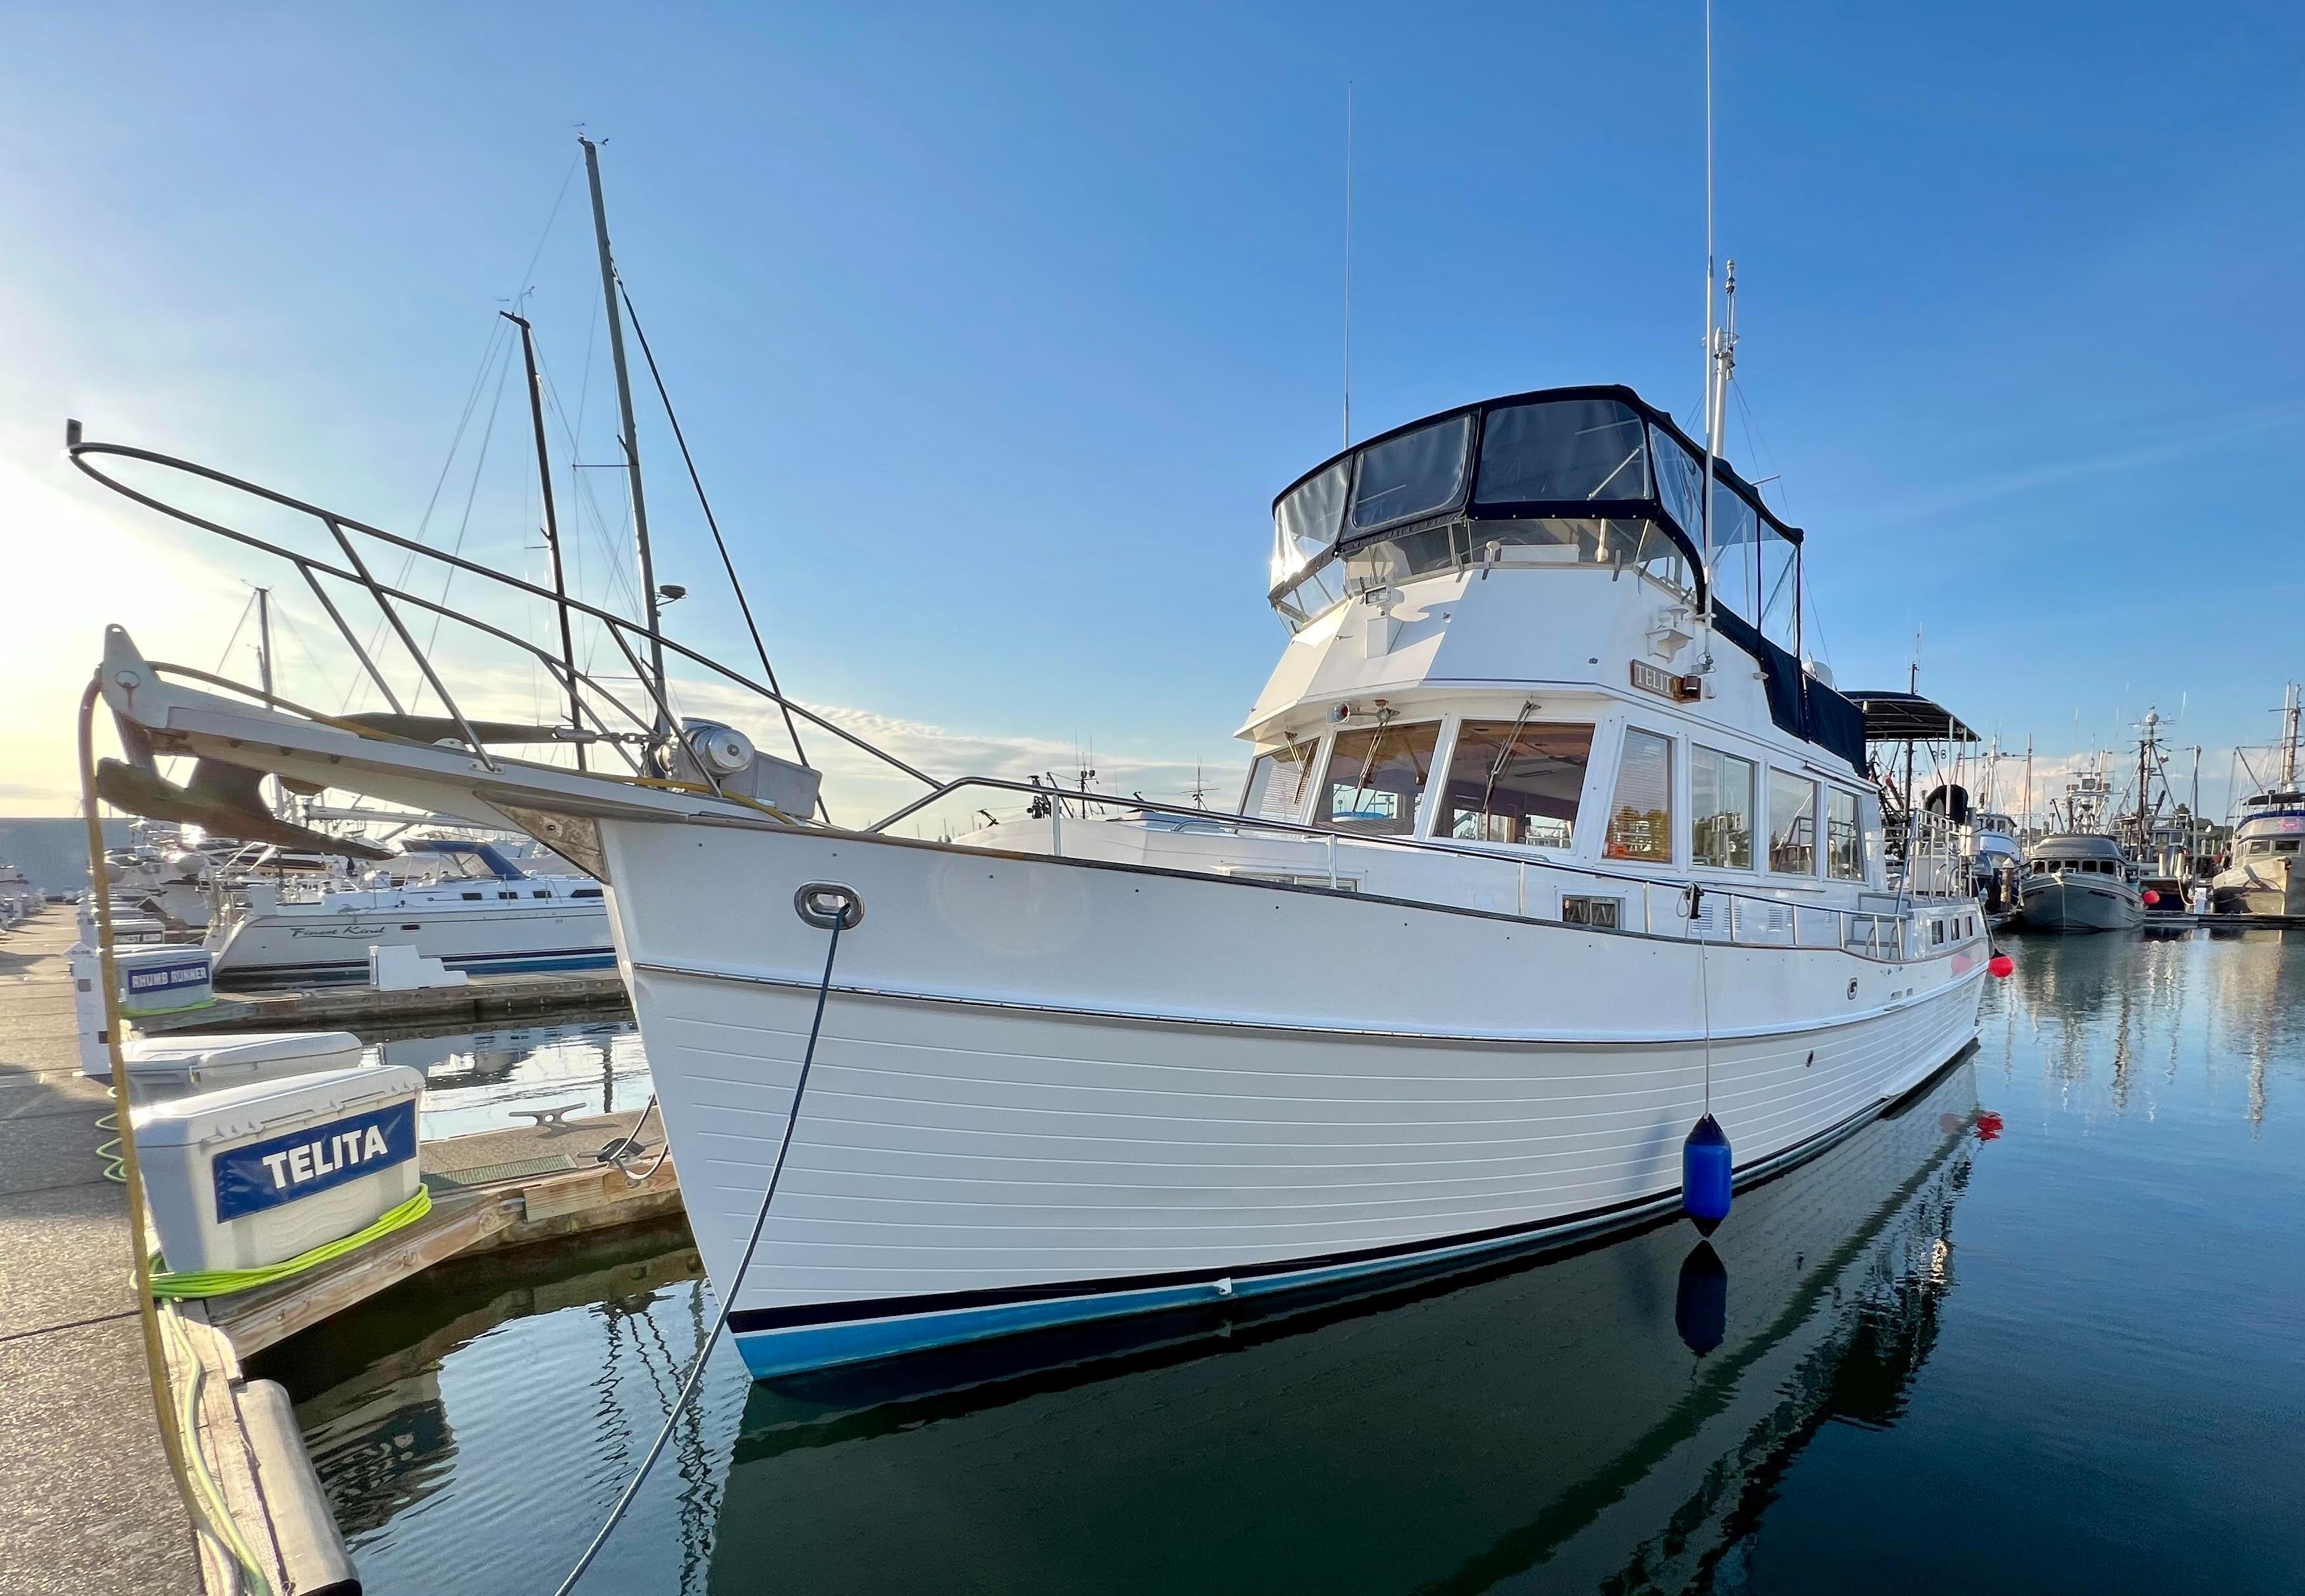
(175, 1065)
(161, 981)
(255, 1174)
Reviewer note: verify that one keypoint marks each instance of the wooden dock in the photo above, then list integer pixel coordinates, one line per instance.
(354, 1007)
(492, 1190)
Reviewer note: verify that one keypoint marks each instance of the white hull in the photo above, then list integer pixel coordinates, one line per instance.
(2077, 903)
(314, 942)
(1050, 1090)
(1567, 1383)
(2261, 887)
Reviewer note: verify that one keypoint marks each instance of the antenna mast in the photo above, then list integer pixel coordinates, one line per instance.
(1714, 371)
(631, 440)
(1349, 265)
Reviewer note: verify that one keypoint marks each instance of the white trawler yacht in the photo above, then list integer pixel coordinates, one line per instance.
(2262, 876)
(1544, 852)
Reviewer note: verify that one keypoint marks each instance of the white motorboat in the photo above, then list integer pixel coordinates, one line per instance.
(467, 906)
(1545, 850)
(2262, 875)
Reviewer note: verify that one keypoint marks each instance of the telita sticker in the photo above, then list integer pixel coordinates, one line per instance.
(267, 1174)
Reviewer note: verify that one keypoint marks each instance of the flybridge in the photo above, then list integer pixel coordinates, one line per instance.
(1559, 478)
(1594, 469)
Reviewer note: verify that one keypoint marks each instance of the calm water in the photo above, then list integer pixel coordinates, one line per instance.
(476, 1081)
(2042, 1330)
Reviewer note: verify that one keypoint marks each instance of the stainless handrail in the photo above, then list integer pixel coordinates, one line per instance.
(78, 449)
(1845, 919)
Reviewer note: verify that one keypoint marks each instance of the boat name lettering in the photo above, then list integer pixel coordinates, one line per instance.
(1680, 690)
(337, 930)
(264, 1174)
(166, 976)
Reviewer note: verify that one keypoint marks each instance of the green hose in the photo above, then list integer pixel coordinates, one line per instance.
(208, 1283)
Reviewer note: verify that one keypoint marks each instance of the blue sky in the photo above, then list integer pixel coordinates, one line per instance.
(995, 330)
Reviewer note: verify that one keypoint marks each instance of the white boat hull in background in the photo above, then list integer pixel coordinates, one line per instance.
(294, 943)
(1050, 1090)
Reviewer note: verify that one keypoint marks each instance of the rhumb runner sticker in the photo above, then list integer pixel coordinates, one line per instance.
(267, 1174)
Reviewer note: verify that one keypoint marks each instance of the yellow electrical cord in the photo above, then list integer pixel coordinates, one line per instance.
(208, 1283)
(219, 1514)
(175, 1442)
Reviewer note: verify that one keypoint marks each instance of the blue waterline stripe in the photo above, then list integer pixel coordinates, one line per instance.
(817, 1334)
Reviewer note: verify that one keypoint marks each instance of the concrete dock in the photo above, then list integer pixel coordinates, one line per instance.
(90, 1506)
(93, 1507)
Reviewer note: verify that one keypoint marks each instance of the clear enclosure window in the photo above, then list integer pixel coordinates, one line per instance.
(1304, 524)
(1720, 808)
(1792, 825)
(1640, 815)
(1276, 783)
(1418, 473)
(1680, 481)
(1513, 783)
(1376, 778)
(1844, 844)
(1563, 449)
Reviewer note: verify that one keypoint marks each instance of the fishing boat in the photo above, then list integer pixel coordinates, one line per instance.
(2261, 876)
(2079, 877)
(468, 907)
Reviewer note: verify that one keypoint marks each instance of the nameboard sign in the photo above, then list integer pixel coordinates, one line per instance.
(1680, 690)
(264, 1174)
(167, 977)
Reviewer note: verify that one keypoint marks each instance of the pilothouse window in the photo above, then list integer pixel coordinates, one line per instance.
(1516, 782)
(1720, 808)
(1792, 825)
(1276, 783)
(1376, 776)
(1844, 843)
(1640, 816)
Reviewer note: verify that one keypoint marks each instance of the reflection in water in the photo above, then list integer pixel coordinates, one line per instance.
(1802, 1402)
(1548, 1417)
(474, 1081)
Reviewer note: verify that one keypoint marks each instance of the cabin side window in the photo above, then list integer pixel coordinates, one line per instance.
(1640, 815)
(1375, 778)
(1276, 782)
(1792, 825)
(1720, 808)
(1516, 782)
(1844, 843)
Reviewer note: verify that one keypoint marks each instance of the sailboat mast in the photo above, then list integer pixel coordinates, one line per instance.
(552, 525)
(264, 672)
(631, 440)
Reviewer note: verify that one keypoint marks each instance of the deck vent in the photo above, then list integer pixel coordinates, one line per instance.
(1603, 913)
